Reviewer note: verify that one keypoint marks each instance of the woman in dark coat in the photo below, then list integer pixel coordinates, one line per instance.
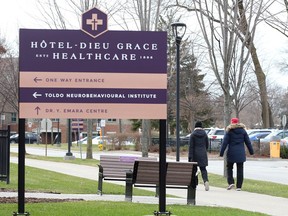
(234, 139)
(198, 145)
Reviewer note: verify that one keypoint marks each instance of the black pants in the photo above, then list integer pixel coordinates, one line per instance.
(240, 175)
(204, 174)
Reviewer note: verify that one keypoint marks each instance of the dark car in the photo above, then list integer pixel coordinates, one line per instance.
(30, 138)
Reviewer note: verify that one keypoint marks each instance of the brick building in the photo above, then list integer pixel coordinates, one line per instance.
(50, 133)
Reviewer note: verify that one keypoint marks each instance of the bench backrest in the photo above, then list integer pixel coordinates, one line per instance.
(115, 165)
(177, 173)
(146, 172)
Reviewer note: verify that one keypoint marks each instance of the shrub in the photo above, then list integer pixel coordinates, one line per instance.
(284, 152)
(119, 141)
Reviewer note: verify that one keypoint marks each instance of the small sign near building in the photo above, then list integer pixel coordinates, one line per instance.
(102, 123)
(46, 125)
(77, 124)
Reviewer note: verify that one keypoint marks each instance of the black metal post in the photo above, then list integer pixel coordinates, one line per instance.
(8, 155)
(69, 153)
(5, 154)
(162, 170)
(178, 41)
(179, 30)
(58, 132)
(21, 169)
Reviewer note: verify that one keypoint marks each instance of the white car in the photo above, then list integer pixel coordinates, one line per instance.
(100, 140)
(284, 141)
(215, 137)
(81, 141)
(216, 134)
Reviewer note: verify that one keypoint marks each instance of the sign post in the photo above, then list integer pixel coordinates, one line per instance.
(93, 73)
(284, 121)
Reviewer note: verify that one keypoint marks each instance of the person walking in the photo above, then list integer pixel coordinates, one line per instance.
(198, 145)
(234, 140)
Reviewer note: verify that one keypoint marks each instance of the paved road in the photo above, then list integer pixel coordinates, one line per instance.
(274, 170)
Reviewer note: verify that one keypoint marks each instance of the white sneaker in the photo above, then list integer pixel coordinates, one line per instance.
(238, 189)
(206, 184)
(230, 186)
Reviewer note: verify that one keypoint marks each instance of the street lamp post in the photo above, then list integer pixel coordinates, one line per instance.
(179, 30)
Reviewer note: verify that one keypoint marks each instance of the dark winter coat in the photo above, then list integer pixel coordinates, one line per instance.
(234, 139)
(198, 145)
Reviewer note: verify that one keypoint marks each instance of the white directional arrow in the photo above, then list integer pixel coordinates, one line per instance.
(35, 95)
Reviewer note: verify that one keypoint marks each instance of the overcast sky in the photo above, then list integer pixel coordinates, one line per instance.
(270, 45)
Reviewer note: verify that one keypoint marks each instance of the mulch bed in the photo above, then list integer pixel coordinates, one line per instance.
(33, 200)
(36, 200)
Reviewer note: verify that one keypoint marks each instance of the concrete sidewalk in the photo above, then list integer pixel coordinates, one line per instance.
(214, 197)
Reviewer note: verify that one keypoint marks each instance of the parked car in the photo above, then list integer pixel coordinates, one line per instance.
(100, 140)
(80, 141)
(30, 138)
(215, 137)
(284, 142)
(184, 140)
(207, 130)
(216, 134)
(253, 131)
(96, 140)
(258, 136)
(275, 136)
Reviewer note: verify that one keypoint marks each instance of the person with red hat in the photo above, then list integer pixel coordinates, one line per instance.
(234, 139)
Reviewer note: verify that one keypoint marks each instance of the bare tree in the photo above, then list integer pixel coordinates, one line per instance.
(195, 100)
(148, 15)
(242, 80)
(140, 14)
(276, 16)
(227, 23)
(53, 15)
(8, 79)
(247, 39)
(62, 14)
(220, 42)
(143, 15)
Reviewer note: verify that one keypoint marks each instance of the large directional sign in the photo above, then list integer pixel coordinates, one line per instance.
(92, 72)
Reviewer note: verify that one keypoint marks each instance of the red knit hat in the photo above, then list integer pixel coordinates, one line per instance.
(234, 120)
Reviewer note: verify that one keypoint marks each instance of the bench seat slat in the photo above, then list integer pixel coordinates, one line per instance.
(179, 175)
(115, 167)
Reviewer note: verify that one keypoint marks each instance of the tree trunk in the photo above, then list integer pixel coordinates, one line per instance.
(89, 150)
(261, 79)
(145, 138)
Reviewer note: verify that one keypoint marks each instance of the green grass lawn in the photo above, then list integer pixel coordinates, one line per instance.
(255, 186)
(47, 181)
(87, 208)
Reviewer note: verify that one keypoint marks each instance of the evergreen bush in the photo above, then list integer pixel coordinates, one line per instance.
(284, 152)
